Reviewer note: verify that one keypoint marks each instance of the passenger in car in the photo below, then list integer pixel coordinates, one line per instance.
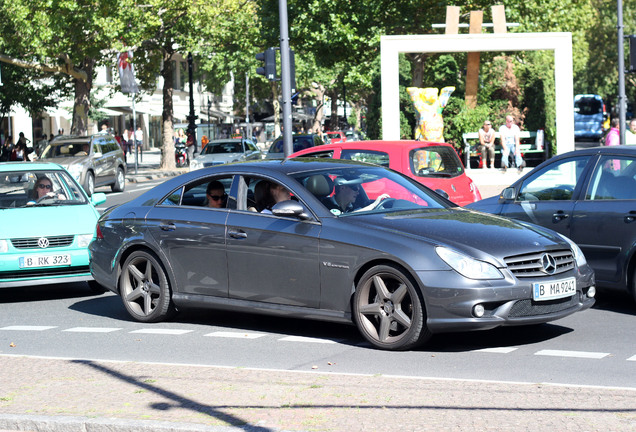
(346, 194)
(267, 194)
(215, 194)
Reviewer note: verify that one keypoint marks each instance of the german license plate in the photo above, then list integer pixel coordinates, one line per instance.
(32, 261)
(554, 289)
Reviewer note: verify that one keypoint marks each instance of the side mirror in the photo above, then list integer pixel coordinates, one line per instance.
(508, 194)
(290, 208)
(98, 198)
(442, 193)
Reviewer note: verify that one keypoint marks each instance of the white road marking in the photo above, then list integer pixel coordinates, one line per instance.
(92, 329)
(632, 358)
(28, 328)
(498, 350)
(235, 335)
(306, 339)
(161, 331)
(577, 354)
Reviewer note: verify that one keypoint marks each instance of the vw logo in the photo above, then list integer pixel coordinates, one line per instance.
(43, 242)
(548, 263)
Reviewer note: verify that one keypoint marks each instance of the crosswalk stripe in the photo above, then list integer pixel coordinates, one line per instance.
(27, 328)
(497, 350)
(92, 329)
(306, 339)
(578, 354)
(235, 335)
(161, 331)
(632, 358)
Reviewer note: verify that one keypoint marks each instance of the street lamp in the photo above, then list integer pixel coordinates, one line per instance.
(192, 128)
(209, 110)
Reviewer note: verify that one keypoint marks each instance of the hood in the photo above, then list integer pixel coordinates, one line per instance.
(472, 232)
(67, 161)
(48, 221)
(221, 157)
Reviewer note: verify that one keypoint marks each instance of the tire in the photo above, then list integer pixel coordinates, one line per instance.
(388, 310)
(89, 183)
(120, 181)
(144, 288)
(96, 288)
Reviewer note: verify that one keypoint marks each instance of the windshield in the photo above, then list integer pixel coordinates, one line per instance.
(588, 106)
(38, 188)
(66, 149)
(223, 148)
(435, 161)
(355, 190)
(299, 143)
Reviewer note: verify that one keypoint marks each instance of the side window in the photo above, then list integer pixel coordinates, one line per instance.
(259, 195)
(174, 199)
(319, 154)
(369, 156)
(613, 179)
(207, 192)
(557, 183)
(250, 146)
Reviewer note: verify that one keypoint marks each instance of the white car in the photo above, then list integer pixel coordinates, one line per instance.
(224, 151)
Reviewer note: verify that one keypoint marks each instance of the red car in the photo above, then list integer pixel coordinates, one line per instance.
(435, 165)
(336, 137)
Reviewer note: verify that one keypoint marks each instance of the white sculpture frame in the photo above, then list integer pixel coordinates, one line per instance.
(560, 43)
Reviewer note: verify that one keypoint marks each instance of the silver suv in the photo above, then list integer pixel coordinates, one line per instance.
(95, 160)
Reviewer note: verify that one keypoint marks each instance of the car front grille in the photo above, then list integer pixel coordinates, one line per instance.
(528, 307)
(48, 272)
(531, 265)
(33, 242)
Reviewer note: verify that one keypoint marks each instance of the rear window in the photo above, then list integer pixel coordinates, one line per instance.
(368, 156)
(300, 143)
(588, 106)
(435, 162)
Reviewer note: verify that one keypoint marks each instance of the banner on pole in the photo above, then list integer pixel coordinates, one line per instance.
(127, 73)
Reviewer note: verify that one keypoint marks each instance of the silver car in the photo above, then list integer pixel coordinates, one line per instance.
(223, 151)
(95, 160)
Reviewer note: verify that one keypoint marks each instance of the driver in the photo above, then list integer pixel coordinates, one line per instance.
(43, 186)
(346, 194)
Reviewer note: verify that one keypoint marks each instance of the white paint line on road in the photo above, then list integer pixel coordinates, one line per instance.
(497, 350)
(306, 339)
(161, 331)
(92, 329)
(632, 358)
(28, 328)
(577, 354)
(235, 335)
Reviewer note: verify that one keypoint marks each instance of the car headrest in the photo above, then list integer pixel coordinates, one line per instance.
(319, 185)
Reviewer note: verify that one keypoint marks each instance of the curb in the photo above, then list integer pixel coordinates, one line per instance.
(14, 422)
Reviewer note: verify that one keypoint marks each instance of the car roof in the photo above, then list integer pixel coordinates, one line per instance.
(29, 166)
(619, 149)
(373, 145)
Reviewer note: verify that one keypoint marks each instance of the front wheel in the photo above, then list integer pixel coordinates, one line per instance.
(89, 184)
(144, 288)
(388, 309)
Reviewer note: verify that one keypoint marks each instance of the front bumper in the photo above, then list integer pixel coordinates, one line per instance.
(506, 302)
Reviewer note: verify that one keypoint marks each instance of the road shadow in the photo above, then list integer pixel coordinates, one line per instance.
(46, 293)
(613, 301)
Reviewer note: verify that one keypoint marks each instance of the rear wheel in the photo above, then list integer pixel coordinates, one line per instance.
(389, 310)
(120, 181)
(89, 183)
(144, 288)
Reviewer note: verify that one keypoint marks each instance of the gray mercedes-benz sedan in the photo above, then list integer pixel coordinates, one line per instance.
(338, 241)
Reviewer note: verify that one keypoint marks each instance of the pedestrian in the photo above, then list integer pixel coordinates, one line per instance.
(630, 134)
(7, 149)
(191, 147)
(139, 142)
(487, 145)
(510, 137)
(614, 135)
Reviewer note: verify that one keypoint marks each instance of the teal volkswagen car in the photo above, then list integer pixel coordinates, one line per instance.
(47, 222)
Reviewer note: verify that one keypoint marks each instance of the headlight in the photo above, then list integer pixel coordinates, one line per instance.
(578, 253)
(84, 239)
(76, 171)
(195, 165)
(4, 246)
(467, 266)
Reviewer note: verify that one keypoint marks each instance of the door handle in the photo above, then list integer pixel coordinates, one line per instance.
(559, 215)
(630, 217)
(237, 234)
(167, 226)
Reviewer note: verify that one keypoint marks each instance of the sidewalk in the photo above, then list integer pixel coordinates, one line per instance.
(492, 181)
(52, 395)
